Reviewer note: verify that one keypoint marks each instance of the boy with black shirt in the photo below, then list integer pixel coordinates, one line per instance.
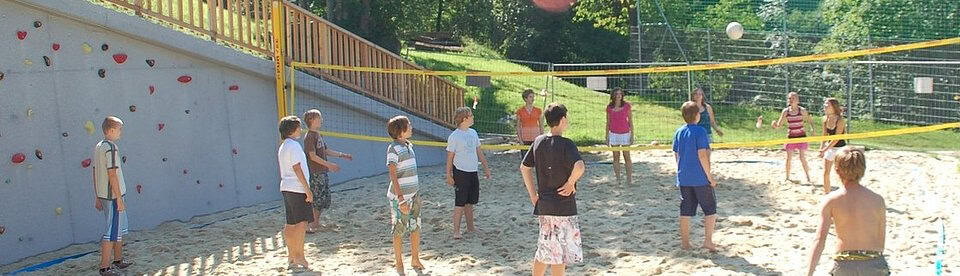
(559, 166)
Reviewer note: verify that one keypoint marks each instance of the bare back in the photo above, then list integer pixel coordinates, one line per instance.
(860, 218)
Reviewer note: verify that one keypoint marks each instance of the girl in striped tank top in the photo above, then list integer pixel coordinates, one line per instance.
(796, 118)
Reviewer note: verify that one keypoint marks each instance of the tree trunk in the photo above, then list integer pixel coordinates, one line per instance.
(365, 18)
(439, 16)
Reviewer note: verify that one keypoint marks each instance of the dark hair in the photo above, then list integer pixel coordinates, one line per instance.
(397, 126)
(690, 111)
(613, 94)
(527, 92)
(289, 125)
(554, 113)
(703, 99)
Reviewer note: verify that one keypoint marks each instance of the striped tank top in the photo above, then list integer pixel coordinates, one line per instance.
(795, 124)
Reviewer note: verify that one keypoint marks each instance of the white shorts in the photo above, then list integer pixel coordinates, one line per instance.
(830, 153)
(619, 139)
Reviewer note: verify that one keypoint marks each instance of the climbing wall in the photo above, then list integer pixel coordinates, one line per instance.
(199, 136)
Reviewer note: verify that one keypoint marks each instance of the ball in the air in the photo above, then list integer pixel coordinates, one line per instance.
(734, 30)
(554, 6)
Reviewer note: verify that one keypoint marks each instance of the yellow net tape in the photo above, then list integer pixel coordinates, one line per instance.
(865, 135)
(666, 69)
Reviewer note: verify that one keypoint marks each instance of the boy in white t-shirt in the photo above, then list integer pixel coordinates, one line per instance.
(463, 154)
(297, 197)
(110, 189)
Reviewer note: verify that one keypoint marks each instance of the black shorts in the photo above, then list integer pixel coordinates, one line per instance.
(297, 208)
(523, 153)
(690, 197)
(468, 187)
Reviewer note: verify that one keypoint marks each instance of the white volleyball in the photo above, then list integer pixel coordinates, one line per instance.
(734, 30)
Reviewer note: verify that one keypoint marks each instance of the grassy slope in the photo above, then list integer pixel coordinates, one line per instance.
(653, 121)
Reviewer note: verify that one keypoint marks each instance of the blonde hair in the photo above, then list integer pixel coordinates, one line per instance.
(110, 122)
(310, 115)
(851, 164)
(461, 114)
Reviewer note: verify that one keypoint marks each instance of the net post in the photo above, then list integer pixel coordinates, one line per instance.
(278, 59)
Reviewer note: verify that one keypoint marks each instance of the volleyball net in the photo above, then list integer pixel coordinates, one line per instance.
(900, 89)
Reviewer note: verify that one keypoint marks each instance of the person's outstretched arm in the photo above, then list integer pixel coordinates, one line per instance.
(818, 241)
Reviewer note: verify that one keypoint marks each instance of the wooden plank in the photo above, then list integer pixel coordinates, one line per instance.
(261, 19)
(242, 20)
(180, 10)
(190, 10)
(200, 14)
(315, 31)
(305, 39)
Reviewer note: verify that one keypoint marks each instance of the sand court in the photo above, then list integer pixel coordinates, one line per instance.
(765, 226)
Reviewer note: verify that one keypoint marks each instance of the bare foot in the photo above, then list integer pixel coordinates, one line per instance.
(471, 229)
(457, 236)
(416, 265)
(710, 247)
(686, 246)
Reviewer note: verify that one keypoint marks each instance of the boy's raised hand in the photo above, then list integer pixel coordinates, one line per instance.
(567, 189)
(98, 204)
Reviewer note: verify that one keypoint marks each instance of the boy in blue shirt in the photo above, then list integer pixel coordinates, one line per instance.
(691, 147)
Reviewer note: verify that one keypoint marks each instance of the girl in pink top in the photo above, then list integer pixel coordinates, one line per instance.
(797, 119)
(620, 131)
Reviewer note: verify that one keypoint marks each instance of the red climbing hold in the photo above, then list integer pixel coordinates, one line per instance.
(120, 58)
(234, 87)
(18, 158)
(85, 163)
(56, 47)
(160, 126)
(21, 35)
(151, 89)
(46, 60)
(102, 73)
(151, 62)
(184, 79)
(38, 153)
(259, 187)
(139, 188)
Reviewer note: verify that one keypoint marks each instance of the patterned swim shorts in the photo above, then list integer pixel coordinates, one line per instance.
(320, 186)
(405, 224)
(559, 241)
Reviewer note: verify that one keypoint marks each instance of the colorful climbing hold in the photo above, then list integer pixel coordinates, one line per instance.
(184, 79)
(151, 89)
(234, 87)
(234, 151)
(56, 47)
(89, 127)
(46, 60)
(104, 47)
(185, 171)
(6, 181)
(21, 35)
(2, 229)
(86, 48)
(38, 153)
(29, 166)
(139, 188)
(164, 159)
(37, 24)
(65, 134)
(27, 62)
(102, 73)
(259, 187)
(186, 111)
(29, 113)
(59, 211)
(160, 126)
(198, 182)
(133, 108)
(120, 58)
(123, 159)
(221, 185)
(85, 163)
(1, 75)
(151, 62)
(18, 158)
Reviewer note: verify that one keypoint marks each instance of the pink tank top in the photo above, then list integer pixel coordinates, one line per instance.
(795, 124)
(619, 122)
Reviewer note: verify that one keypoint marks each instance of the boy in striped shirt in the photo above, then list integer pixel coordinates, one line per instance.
(404, 201)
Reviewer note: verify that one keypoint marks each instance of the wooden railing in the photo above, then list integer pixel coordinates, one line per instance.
(311, 39)
(247, 24)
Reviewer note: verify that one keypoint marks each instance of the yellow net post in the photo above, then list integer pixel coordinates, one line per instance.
(277, 9)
